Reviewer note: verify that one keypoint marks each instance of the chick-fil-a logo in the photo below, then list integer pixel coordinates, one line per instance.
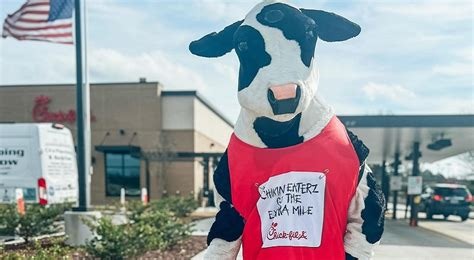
(274, 234)
(41, 112)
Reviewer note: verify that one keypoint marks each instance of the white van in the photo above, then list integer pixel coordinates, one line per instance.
(41, 160)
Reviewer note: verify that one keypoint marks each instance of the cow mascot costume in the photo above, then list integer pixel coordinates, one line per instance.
(293, 183)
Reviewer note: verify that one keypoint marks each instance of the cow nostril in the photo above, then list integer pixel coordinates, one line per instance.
(271, 96)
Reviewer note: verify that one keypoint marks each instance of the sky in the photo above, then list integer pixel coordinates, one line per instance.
(412, 57)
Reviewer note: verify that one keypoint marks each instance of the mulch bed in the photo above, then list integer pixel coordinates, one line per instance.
(183, 250)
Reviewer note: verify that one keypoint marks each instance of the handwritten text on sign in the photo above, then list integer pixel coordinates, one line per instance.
(291, 209)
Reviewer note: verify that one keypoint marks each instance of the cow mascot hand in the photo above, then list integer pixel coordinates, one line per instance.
(293, 182)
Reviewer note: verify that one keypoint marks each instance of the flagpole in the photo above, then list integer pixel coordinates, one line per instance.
(83, 111)
(88, 111)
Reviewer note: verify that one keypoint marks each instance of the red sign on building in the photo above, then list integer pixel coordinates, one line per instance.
(41, 112)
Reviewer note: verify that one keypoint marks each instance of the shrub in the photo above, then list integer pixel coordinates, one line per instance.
(149, 228)
(56, 250)
(111, 241)
(37, 220)
(160, 229)
(180, 206)
(8, 219)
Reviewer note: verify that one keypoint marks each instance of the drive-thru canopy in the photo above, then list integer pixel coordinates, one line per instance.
(425, 138)
(446, 135)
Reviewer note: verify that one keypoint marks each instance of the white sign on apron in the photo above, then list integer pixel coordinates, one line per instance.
(291, 209)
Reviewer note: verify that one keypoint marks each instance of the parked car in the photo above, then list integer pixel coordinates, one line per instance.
(446, 199)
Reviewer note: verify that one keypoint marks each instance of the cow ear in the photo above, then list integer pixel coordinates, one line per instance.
(332, 27)
(215, 44)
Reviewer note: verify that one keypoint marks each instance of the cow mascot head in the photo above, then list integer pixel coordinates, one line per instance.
(292, 183)
(278, 78)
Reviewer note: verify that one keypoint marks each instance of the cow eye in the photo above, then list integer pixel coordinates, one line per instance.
(243, 46)
(274, 16)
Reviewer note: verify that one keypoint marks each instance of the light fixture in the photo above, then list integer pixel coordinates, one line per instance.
(439, 143)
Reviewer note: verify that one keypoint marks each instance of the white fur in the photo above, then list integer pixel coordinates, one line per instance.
(355, 242)
(220, 249)
(312, 122)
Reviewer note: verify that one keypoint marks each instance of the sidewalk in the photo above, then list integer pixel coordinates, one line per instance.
(451, 227)
(395, 252)
(400, 241)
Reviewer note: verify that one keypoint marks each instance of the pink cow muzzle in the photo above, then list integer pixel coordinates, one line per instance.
(284, 98)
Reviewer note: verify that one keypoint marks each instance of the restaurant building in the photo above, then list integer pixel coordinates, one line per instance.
(142, 135)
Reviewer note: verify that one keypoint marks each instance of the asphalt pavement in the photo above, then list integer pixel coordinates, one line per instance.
(400, 241)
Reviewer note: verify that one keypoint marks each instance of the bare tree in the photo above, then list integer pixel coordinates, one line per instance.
(468, 160)
(164, 154)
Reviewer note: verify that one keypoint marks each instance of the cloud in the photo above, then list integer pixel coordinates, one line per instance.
(396, 93)
(442, 10)
(27, 62)
(111, 65)
(465, 53)
(454, 69)
(229, 11)
(460, 65)
(459, 166)
(227, 71)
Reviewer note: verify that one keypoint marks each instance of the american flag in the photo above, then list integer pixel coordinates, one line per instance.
(41, 20)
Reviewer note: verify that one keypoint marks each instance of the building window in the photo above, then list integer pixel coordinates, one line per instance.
(122, 171)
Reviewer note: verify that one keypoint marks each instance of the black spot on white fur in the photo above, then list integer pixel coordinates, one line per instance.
(229, 225)
(360, 148)
(250, 48)
(294, 25)
(373, 212)
(215, 44)
(222, 178)
(275, 134)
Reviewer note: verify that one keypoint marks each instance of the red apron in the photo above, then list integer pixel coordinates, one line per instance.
(294, 200)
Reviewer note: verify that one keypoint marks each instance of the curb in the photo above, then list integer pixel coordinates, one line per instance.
(446, 235)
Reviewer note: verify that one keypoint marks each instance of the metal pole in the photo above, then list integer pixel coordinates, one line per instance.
(82, 103)
(87, 108)
(206, 176)
(147, 172)
(395, 192)
(385, 182)
(415, 172)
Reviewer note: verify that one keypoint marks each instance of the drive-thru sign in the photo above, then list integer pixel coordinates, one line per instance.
(395, 183)
(414, 185)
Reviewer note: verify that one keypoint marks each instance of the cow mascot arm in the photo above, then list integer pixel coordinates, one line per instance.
(224, 238)
(365, 220)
